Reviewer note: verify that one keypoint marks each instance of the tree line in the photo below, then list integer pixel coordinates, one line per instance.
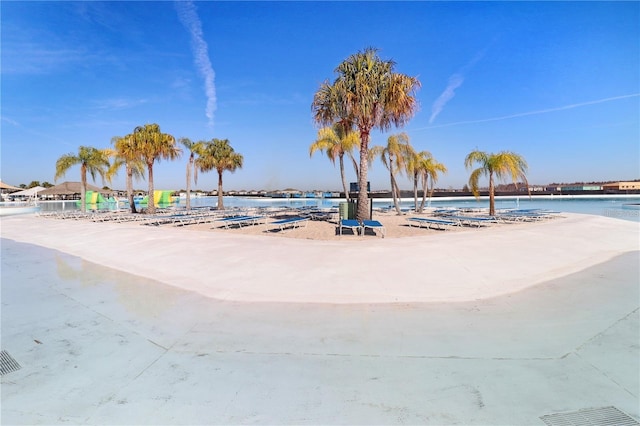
(140, 150)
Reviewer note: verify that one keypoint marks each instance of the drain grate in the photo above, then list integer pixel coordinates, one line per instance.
(590, 417)
(7, 363)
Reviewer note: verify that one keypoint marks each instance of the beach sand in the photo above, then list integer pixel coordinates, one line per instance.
(314, 265)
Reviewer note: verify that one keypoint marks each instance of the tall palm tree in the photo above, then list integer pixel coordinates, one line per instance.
(125, 154)
(366, 94)
(414, 168)
(219, 155)
(92, 160)
(429, 169)
(337, 141)
(151, 145)
(395, 157)
(194, 148)
(500, 165)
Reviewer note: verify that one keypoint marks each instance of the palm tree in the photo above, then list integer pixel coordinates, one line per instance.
(337, 141)
(219, 155)
(125, 154)
(414, 168)
(394, 156)
(151, 145)
(365, 95)
(429, 169)
(92, 160)
(500, 165)
(194, 148)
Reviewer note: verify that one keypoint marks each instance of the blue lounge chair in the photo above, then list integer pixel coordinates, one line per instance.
(374, 225)
(524, 215)
(432, 223)
(227, 222)
(352, 224)
(472, 221)
(249, 220)
(290, 222)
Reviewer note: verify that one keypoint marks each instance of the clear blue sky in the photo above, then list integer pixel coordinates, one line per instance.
(555, 82)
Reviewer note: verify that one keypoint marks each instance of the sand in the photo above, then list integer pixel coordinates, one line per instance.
(313, 264)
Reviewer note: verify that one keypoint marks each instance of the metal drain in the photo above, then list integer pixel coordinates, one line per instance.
(7, 363)
(606, 416)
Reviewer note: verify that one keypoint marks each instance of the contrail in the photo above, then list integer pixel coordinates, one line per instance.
(189, 18)
(537, 112)
(455, 81)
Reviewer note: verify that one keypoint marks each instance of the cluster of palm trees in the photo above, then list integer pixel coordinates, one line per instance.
(367, 94)
(398, 156)
(140, 150)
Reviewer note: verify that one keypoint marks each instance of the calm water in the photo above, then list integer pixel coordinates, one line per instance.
(612, 206)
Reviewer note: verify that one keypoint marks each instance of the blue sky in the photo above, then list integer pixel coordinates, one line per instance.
(557, 82)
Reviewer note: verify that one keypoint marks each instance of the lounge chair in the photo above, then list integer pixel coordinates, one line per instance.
(531, 215)
(374, 225)
(430, 223)
(352, 224)
(290, 222)
(160, 219)
(227, 222)
(472, 220)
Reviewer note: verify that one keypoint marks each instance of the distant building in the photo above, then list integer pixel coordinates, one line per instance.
(622, 186)
(581, 188)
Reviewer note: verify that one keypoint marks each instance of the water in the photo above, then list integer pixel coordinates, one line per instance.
(601, 206)
(610, 206)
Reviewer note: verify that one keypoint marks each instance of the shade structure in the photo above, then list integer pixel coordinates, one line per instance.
(29, 192)
(8, 187)
(70, 188)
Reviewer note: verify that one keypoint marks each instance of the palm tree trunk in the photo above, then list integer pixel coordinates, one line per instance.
(362, 212)
(220, 198)
(424, 192)
(83, 188)
(355, 165)
(431, 189)
(394, 186)
(151, 204)
(132, 202)
(189, 165)
(492, 197)
(395, 193)
(415, 191)
(344, 179)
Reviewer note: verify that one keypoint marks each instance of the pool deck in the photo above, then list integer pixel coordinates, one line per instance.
(498, 327)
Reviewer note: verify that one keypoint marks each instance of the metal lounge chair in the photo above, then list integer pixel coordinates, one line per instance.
(352, 224)
(472, 220)
(244, 220)
(374, 225)
(229, 220)
(430, 223)
(290, 222)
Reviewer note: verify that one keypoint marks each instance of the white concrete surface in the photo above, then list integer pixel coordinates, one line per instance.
(439, 266)
(101, 346)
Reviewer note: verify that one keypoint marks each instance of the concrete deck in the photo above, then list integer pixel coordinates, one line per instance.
(101, 346)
